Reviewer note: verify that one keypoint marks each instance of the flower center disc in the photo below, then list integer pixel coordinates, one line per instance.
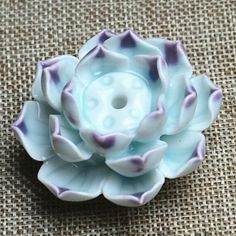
(116, 102)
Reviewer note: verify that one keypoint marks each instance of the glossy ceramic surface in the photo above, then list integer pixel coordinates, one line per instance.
(117, 120)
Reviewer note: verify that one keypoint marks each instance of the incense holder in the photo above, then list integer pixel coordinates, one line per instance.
(118, 119)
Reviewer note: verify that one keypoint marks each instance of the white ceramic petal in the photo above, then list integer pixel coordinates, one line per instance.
(151, 127)
(208, 103)
(105, 144)
(99, 38)
(56, 73)
(130, 44)
(66, 141)
(77, 181)
(98, 62)
(185, 153)
(133, 191)
(31, 129)
(175, 56)
(137, 159)
(181, 105)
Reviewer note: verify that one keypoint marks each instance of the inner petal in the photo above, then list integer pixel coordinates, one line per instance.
(116, 102)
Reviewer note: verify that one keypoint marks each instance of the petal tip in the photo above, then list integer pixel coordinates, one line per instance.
(104, 35)
(217, 94)
(104, 142)
(191, 97)
(128, 39)
(21, 126)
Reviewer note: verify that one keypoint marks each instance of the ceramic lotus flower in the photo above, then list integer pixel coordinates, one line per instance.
(118, 119)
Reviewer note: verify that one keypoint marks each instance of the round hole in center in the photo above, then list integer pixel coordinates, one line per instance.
(119, 101)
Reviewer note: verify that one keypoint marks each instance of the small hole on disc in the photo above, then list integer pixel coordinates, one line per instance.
(119, 101)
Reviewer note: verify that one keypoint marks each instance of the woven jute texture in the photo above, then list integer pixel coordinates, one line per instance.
(202, 203)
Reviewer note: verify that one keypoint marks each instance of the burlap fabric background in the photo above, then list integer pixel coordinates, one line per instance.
(202, 203)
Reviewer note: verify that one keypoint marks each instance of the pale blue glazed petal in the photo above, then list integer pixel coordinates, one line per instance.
(66, 142)
(130, 44)
(175, 56)
(180, 96)
(181, 99)
(37, 92)
(77, 181)
(105, 144)
(56, 73)
(31, 129)
(154, 70)
(99, 38)
(133, 191)
(208, 103)
(99, 61)
(71, 104)
(185, 153)
(138, 159)
(151, 127)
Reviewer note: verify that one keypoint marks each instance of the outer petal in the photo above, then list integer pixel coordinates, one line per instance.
(151, 127)
(71, 104)
(185, 153)
(94, 41)
(66, 142)
(181, 101)
(175, 56)
(134, 191)
(138, 159)
(98, 62)
(208, 103)
(56, 73)
(37, 92)
(31, 128)
(105, 144)
(130, 44)
(73, 181)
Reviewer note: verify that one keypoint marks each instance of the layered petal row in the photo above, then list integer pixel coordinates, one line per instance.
(118, 119)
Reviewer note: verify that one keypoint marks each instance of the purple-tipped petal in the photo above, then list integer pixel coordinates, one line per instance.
(138, 159)
(130, 44)
(180, 107)
(73, 181)
(153, 69)
(187, 111)
(135, 191)
(55, 76)
(99, 61)
(66, 142)
(70, 105)
(99, 38)
(171, 53)
(175, 56)
(105, 144)
(128, 40)
(208, 103)
(185, 153)
(21, 126)
(37, 87)
(31, 129)
(151, 127)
